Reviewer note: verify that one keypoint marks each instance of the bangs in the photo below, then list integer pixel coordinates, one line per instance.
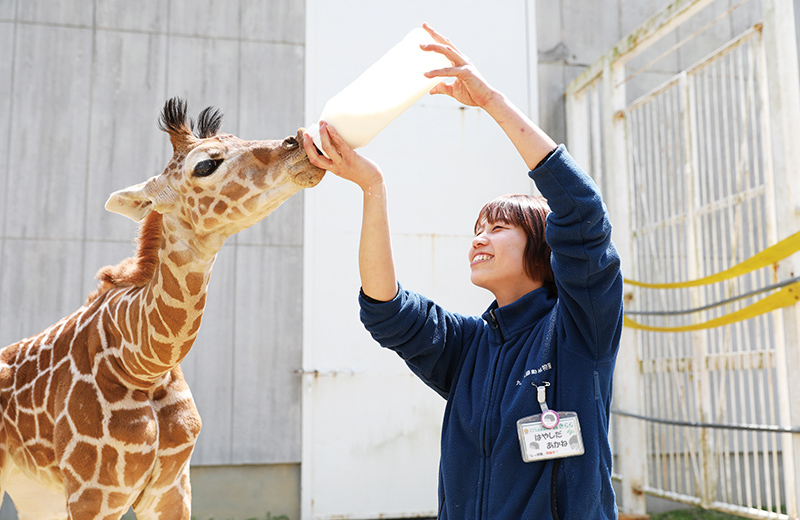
(512, 209)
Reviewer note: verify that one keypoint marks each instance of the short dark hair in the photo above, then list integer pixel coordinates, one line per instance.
(530, 214)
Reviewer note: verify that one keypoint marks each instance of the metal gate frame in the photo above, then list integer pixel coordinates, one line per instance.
(598, 118)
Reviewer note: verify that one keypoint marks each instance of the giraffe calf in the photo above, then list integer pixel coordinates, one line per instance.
(95, 415)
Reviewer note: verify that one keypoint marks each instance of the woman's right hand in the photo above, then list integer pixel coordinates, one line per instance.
(342, 160)
(375, 258)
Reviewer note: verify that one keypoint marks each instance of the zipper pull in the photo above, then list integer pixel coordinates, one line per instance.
(495, 325)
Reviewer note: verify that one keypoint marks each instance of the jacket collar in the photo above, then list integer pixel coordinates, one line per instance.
(520, 315)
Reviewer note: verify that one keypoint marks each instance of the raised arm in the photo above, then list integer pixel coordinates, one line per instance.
(375, 258)
(470, 88)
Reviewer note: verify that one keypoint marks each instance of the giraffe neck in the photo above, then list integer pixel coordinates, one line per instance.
(160, 320)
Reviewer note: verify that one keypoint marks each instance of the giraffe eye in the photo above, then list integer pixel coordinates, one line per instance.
(206, 168)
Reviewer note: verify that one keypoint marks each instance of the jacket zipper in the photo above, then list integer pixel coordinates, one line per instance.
(496, 325)
(489, 399)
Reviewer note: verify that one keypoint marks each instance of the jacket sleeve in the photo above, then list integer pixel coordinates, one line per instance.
(584, 260)
(430, 339)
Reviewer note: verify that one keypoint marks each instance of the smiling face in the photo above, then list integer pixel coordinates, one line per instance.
(497, 261)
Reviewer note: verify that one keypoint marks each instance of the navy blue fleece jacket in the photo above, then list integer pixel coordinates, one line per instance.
(484, 367)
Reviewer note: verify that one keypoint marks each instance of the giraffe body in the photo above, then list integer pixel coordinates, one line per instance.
(96, 416)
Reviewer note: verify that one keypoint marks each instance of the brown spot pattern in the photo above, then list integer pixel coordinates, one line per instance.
(220, 207)
(171, 284)
(83, 460)
(132, 426)
(84, 402)
(234, 191)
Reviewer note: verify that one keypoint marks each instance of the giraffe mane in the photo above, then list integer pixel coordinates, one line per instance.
(138, 270)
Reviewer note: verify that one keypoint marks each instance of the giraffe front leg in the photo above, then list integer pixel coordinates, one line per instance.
(174, 501)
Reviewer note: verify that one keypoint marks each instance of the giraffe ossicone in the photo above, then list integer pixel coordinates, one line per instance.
(96, 415)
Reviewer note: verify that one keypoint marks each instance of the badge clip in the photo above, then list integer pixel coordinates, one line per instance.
(550, 434)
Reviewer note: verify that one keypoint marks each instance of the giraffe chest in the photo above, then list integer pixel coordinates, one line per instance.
(56, 414)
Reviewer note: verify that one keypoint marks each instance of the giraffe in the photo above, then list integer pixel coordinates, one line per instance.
(95, 414)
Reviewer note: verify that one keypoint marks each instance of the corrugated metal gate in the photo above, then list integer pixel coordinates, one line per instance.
(705, 396)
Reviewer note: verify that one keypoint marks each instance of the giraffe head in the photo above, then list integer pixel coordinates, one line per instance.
(217, 184)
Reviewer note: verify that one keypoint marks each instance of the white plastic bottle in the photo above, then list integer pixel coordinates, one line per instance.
(382, 92)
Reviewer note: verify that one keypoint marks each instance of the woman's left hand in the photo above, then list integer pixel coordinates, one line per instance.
(469, 87)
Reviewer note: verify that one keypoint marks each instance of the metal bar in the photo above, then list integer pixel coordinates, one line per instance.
(726, 301)
(713, 426)
(717, 506)
(648, 33)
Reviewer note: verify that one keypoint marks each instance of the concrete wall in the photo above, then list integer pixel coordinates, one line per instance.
(81, 87)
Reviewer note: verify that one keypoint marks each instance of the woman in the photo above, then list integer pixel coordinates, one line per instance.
(548, 341)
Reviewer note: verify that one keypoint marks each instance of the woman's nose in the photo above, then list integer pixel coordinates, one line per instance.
(479, 240)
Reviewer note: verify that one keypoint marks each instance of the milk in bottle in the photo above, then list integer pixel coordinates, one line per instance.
(382, 92)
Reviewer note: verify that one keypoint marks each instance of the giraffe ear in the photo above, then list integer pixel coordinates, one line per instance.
(136, 201)
(131, 202)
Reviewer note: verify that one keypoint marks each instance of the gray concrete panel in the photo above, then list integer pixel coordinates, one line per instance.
(712, 37)
(41, 283)
(126, 145)
(50, 116)
(209, 367)
(743, 16)
(590, 29)
(273, 21)
(206, 73)
(263, 492)
(631, 17)
(272, 90)
(552, 109)
(68, 12)
(7, 9)
(550, 31)
(268, 325)
(6, 69)
(142, 15)
(272, 108)
(205, 18)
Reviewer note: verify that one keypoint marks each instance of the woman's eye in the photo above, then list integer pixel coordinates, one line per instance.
(206, 168)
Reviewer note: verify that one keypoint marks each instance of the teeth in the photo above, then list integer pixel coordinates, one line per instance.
(480, 258)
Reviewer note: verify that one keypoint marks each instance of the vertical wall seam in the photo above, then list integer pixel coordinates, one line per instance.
(10, 126)
(87, 172)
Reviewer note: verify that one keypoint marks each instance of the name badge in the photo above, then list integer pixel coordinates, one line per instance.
(550, 434)
(543, 438)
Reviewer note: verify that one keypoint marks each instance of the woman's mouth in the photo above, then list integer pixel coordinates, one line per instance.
(482, 257)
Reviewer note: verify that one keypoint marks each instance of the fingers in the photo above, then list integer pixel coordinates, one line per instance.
(340, 157)
(314, 156)
(438, 37)
(442, 88)
(342, 148)
(332, 144)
